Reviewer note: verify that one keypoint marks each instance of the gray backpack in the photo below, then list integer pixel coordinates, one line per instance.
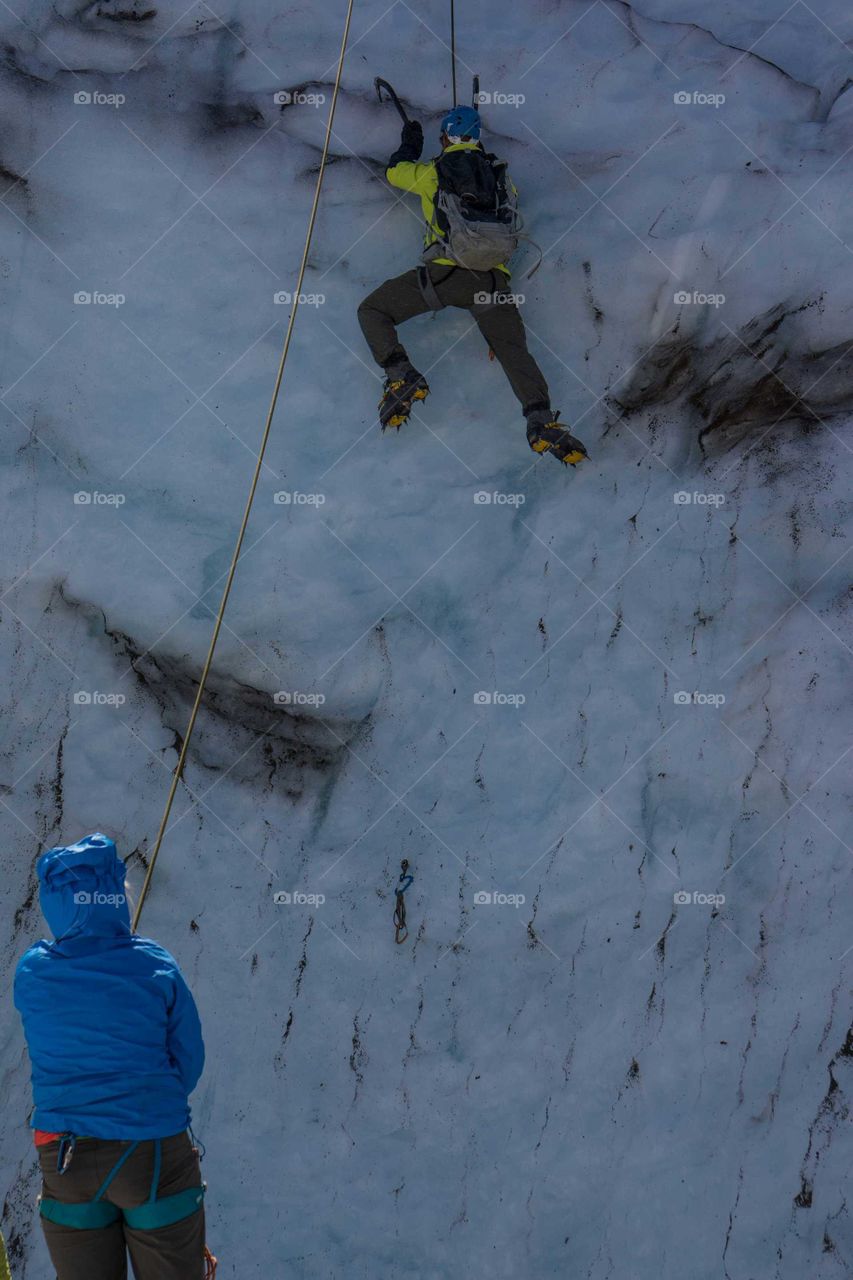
(476, 212)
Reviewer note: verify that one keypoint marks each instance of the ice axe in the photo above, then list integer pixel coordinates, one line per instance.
(389, 89)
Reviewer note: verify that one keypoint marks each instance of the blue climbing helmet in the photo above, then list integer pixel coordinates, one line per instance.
(462, 122)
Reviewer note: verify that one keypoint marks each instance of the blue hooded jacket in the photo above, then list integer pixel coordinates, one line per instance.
(112, 1029)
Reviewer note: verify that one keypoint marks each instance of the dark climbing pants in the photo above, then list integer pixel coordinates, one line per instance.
(499, 322)
(166, 1253)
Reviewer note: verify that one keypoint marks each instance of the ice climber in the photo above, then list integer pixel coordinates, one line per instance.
(115, 1050)
(469, 203)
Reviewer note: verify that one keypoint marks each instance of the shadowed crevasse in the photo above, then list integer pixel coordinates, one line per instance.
(288, 737)
(744, 383)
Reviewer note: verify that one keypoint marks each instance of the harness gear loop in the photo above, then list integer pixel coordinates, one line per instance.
(401, 932)
(297, 294)
(197, 1143)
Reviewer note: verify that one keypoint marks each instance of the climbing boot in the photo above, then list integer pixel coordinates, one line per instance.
(546, 435)
(403, 386)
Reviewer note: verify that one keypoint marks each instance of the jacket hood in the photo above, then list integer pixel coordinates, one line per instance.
(82, 890)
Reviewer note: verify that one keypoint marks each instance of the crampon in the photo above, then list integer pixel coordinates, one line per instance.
(551, 437)
(399, 394)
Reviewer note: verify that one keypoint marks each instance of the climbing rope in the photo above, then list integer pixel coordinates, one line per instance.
(210, 1265)
(453, 47)
(5, 1272)
(401, 932)
(179, 768)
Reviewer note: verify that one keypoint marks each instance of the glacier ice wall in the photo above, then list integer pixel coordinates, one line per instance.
(635, 1060)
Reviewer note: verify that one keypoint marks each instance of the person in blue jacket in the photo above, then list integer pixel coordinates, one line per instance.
(116, 1049)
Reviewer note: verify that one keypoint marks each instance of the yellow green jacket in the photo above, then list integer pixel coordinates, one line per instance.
(422, 180)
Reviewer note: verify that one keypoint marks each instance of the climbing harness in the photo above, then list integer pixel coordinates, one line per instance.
(98, 1213)
(428, 289)
(297, 295)
(401, 932)
(156, 1212)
